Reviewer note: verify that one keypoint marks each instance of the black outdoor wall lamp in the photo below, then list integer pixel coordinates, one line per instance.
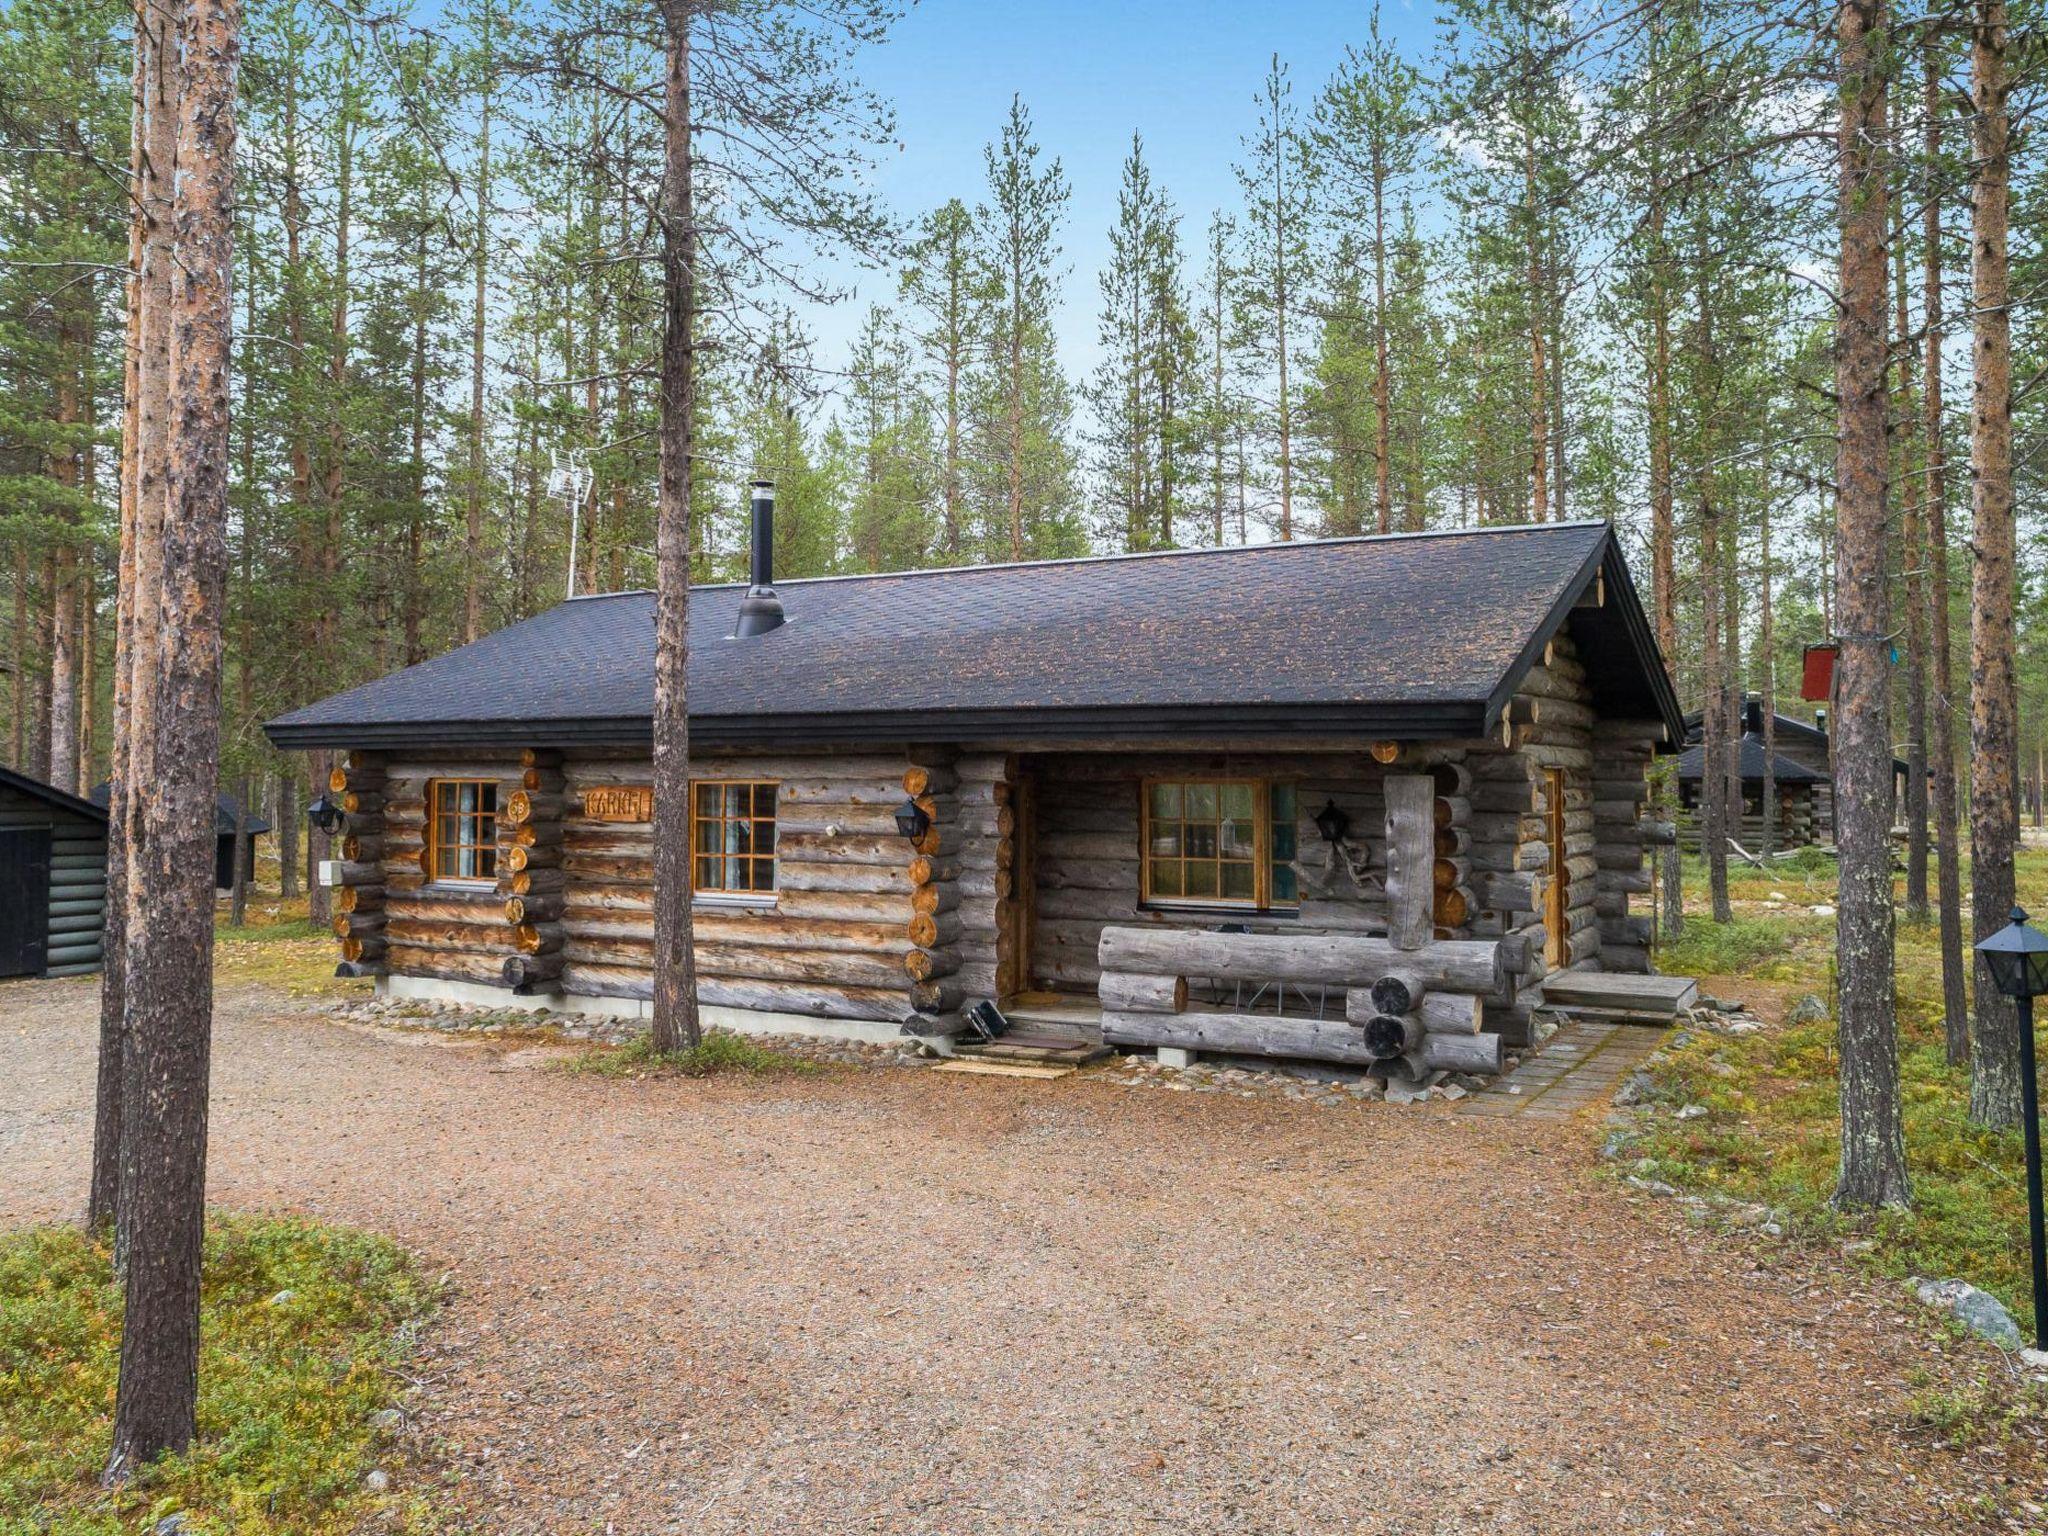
(2017, 958)
(1332, 822)
(327, 815)
(913, 820)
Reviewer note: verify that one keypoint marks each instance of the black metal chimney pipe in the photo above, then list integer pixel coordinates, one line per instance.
(761, 609)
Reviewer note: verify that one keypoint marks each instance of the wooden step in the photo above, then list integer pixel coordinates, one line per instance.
(1616, 995)
(979, 1067)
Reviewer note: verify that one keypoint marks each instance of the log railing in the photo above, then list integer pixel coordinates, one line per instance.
(1416, 1008)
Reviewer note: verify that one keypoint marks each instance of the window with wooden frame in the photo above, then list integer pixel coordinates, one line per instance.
(462, 830)
(732, 838)
(1220, 843)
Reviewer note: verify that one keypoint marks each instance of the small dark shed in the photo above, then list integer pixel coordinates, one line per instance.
(224, 836)
(53, 879)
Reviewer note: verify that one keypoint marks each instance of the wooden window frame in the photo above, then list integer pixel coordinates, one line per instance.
(433, 848)
(719, 896)
(1261, 900)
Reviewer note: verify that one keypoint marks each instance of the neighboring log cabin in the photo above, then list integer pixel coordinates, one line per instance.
(1347, 799)
(53, 879)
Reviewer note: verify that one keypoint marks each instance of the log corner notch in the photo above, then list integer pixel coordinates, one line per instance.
(357, 877)
(1622, 834)
(930, 958)
(530, 837)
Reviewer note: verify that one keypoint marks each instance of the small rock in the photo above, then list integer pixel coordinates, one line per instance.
(377, 1480)
(170, 1525)
(2034, 1359)
(387, 1421)
(284, 1298)
(1808, 1010)
(1979, 1311)
(1655, 1187)
(1744, 1027)
(1453, 1092)
(1690, 1111)
(1638, 1088)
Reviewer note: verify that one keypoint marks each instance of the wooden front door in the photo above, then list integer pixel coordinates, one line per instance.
(24, 900)
(1557, 883)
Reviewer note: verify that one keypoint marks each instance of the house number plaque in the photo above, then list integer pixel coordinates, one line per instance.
(619, 802)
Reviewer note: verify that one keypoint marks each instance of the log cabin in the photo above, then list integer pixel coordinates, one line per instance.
(1796, 745)
(1344, 800)
(53, 879)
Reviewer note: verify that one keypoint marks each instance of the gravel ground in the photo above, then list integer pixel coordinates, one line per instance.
(883, 1300)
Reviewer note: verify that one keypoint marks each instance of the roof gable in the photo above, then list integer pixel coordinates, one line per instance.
(50, 794)
(1412, 635)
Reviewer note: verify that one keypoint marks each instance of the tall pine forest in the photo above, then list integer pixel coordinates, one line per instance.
(1566, 262)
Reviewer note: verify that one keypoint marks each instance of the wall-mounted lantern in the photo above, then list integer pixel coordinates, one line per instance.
(1332, 822)
(913, 820)
(327, 816)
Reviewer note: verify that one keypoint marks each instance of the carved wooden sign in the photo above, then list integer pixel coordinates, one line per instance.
(618, 802)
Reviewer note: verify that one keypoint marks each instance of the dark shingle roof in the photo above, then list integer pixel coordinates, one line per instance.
(1413, 635)
(51, 794)
(1692, 759)
(223, 811)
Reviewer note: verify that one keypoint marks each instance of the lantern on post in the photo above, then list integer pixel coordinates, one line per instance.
(2017, 958)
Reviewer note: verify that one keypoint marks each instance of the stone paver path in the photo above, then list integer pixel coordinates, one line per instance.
(1582, 1064)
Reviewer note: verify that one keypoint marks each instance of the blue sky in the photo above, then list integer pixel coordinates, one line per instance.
(1181, 72)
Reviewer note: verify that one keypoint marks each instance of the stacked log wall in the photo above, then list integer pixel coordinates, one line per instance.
(437, 930)
(1087, 833)
(360, 877)
(76, 921)
(1799, 822)
(835, 939)
(979, 883)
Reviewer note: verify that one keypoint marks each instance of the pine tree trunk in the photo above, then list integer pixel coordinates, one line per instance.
(1767, 646)
(1873, 1170)
(104, 1189)
(238, 892)
(1539, 370)
(286, 820)
(1994, 702)
(1382, 394)
(676, 1024)
(1911, 493)
(473, 524)
(170, 977)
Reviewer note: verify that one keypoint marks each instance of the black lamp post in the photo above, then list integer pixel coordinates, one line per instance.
(2017, 957)
(913, 820)
(327, 815)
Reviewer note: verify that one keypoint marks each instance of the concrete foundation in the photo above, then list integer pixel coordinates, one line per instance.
(741, 1021)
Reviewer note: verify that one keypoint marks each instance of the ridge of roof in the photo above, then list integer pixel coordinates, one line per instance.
(1270, 546)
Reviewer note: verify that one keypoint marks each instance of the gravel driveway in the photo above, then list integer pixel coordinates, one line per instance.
(884, 1300)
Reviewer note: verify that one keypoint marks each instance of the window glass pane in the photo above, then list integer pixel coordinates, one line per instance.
(1283, 804)
(1166, 801)
(1200, 840)
(706, 877)
(1166, 877)
(1201, 802)
(1286, 888)
(1166, 839)
(1237, 881)
(764, 836)
(1201, 879)
(1237, 800)
(1240, 839)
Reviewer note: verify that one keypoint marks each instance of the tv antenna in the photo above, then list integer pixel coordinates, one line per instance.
(570, 480)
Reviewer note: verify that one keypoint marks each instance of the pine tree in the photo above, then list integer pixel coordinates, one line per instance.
(1274, 264)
